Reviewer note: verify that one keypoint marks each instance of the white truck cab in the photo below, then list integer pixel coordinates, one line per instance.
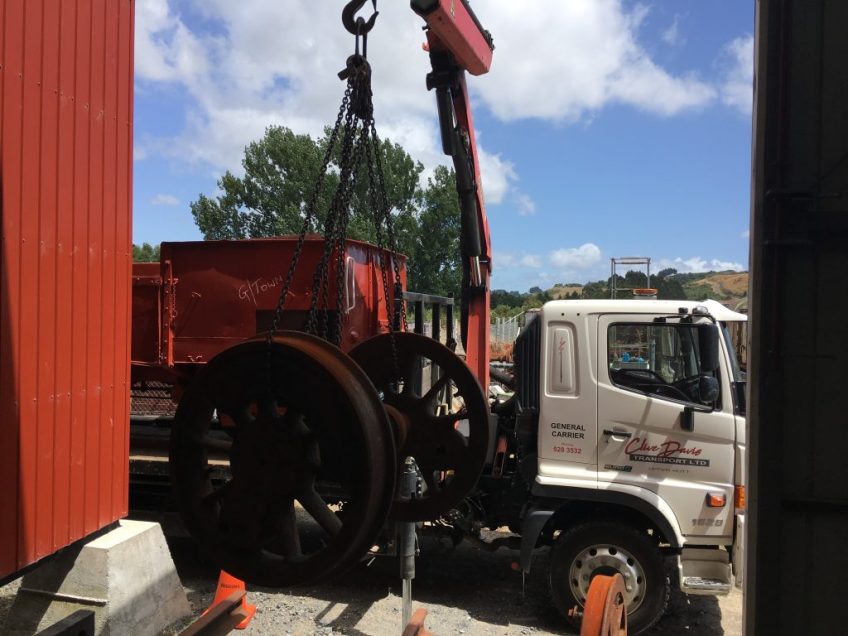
(638, 408)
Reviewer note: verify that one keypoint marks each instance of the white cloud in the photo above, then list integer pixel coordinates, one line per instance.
(166, 50)
(672, 35)
(498, 176)
(526, 205)
(745, 234)
(737, 68)
(511, 259)
(531, 260)
(696, 264)
(563, 61)
(573, 258)
(260, 62)
(165, 199)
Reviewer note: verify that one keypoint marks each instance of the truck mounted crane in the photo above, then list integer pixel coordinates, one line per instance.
(621, 445)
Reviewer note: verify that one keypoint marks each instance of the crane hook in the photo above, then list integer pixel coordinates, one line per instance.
(358, 26)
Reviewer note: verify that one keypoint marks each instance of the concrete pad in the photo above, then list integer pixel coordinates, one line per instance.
(126, 576)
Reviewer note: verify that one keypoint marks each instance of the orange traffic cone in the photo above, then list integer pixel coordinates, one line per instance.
(227, 584)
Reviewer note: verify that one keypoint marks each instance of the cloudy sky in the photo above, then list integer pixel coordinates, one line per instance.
(607, 127)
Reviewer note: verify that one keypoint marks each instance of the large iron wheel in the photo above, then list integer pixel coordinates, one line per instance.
(311, 457)
(443, 423)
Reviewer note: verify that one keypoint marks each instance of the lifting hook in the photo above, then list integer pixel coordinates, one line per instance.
(358, 26)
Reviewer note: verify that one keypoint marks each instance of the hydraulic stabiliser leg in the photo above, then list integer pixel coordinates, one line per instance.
(406, 537)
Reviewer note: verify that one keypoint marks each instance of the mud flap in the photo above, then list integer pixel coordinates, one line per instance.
(531, 527)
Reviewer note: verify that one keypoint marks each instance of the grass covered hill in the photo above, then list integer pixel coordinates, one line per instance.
(729, 288)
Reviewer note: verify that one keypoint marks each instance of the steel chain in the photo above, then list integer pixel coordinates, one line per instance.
(356, 127)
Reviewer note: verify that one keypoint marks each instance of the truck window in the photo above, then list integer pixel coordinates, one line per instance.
(657, 359)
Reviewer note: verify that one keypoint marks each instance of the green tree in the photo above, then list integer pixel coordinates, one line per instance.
(280, 172)
(597, 289)
(434, 256)
(145, 253)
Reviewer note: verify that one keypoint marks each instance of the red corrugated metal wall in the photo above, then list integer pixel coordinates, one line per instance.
(66, 103)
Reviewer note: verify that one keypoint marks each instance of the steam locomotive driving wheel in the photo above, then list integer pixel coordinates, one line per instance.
(294, 419)
(439, 415)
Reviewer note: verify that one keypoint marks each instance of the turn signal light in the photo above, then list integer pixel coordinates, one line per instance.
(739, 497)
(716, 500)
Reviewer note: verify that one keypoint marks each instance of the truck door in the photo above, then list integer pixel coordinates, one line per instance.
(567, 428)
(663, 426)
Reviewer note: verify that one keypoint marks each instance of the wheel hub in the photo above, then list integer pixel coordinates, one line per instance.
(607, 559)
(426, 417)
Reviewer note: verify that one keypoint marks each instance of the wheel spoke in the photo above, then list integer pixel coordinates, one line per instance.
(410, 370)
(242, 417)
(448, 420)
(430, 480)
(433, 392)
(214, 443)
(290, 539)
(318, 509)
(217, 494)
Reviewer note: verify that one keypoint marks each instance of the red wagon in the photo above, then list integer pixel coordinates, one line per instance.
(205, 296)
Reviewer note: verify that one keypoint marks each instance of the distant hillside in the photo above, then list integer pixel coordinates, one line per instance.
(728, 288)
(725, 287)
(558, 292)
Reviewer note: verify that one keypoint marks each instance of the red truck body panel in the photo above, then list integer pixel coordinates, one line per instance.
(66, 116)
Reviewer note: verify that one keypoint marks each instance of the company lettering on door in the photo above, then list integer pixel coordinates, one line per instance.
(668, 452)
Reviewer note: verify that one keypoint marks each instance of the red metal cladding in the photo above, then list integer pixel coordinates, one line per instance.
(206, 296)
(66, 99)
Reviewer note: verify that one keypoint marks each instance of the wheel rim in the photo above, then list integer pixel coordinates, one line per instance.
(608, 559)
(322, 427)
(450, 462)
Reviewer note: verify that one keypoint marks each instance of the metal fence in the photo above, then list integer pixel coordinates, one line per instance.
(506, 329)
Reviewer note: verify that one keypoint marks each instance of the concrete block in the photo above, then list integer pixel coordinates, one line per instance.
(126, 576)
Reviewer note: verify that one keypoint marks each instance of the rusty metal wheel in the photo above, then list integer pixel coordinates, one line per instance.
(605, 613)
(312, 461)
(439, 414)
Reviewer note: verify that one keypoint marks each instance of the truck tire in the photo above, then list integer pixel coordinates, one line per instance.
(606, 547)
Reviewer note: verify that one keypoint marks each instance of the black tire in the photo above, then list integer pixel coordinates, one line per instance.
(618, 545)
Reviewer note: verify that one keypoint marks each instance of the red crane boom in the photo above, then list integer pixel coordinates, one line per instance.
(457, 43)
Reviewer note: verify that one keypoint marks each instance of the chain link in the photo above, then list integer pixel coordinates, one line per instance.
(355, 136)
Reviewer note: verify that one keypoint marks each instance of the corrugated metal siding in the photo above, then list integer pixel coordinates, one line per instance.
(66, 99)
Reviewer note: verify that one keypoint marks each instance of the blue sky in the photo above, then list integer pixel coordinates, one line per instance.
(607, 127)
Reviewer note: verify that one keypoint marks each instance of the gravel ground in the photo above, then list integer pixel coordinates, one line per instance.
(466, 591)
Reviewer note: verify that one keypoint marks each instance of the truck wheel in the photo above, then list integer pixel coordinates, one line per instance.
(605, 547)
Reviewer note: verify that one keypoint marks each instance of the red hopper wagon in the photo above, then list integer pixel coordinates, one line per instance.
(205, 296)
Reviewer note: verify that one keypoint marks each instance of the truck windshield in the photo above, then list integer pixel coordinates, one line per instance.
(661, 359)
(734, 346)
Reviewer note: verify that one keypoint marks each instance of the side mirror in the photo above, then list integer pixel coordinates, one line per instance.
(708, 347)
(709, 389)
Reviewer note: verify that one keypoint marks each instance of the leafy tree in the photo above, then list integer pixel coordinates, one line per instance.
(511, 299)
(433, 247)
(598, 289)
(146, 253)
(280, 171)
